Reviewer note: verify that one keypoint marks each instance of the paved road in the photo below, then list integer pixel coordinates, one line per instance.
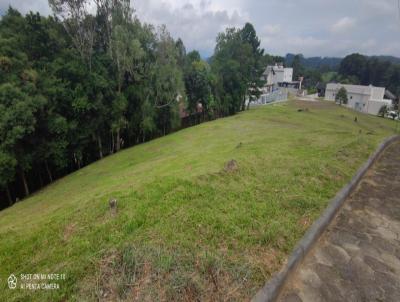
(358, 256)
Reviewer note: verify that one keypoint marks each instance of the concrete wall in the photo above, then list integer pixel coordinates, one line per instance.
(288, 75)
(374, 106)
(330, 95)
(280, 75)
(357, 102)
(377, 93)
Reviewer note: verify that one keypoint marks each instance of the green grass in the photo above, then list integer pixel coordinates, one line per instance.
(185, 228)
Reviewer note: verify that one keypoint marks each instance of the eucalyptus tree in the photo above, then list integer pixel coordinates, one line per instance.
(167, 81)
(79, 23)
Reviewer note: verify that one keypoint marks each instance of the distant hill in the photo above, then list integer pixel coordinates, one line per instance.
(391, 59)
(315, 62)
(331, 62)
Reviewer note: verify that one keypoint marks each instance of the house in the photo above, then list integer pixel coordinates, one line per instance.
(278, 83)
(366, 99)
(276, 75)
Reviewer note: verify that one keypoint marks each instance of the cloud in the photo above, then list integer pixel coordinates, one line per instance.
(24, 6)
(343, 25)
(271, 29)
(196, 23)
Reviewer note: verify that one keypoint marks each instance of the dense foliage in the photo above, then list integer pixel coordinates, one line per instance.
(359, 69)
(381, 71)
(80, 85)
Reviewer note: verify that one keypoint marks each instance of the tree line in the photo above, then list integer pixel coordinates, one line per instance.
(93, 79)
(357, 69)
(363, 70)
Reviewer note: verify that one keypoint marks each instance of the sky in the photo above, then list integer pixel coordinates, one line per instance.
(311, 27)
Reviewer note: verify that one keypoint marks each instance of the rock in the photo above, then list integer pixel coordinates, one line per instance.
(113, 205)
(231, 166)
(303, 110)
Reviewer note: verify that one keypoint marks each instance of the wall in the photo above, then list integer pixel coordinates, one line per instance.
(374, 106)
(330, 94)
(378, 93)
(288, 75)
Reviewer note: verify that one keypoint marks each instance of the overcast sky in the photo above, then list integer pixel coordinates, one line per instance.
(311, 27)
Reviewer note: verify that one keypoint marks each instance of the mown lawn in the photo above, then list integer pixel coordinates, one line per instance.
(186, 229)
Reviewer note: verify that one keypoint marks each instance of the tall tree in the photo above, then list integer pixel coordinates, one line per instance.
(78, 23)
(354, 65)
(256, 65)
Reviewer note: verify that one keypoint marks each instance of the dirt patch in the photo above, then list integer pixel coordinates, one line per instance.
(69, 231)
(231, 166)
(266, 260)
(305, 222)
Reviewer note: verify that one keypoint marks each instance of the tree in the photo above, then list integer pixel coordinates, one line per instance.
(354, 65)
(78, 23)
(197, 83)
(167, 81)
(17, 123)
(148, 124)
(382, 111)
(8, 165)
(341, 96)
(256, 65)
(238, 64)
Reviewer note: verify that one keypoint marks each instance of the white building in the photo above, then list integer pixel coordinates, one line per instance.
(366, 99)
(276, 76)
(278, 84)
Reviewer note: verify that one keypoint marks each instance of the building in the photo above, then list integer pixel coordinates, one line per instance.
(275, 76)
(278, 76)
(278, 83)
(366, 99)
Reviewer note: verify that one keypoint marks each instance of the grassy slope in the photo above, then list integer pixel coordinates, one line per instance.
(185, 228)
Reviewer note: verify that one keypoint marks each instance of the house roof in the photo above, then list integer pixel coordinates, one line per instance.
(275, 69)
(350, 88)
(358, 89)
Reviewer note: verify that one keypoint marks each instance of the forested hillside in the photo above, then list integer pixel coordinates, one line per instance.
(83, 84)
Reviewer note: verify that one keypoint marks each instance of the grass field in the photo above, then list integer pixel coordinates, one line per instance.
(186, 229)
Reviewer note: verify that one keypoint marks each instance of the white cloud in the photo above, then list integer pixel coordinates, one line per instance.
(343, 25)
(271, 29)
(196, 23)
